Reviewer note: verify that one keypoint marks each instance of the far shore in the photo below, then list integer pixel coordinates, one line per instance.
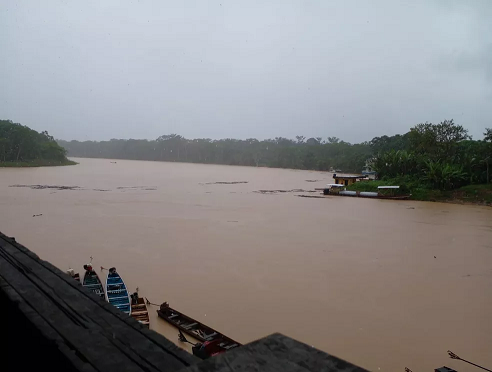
(35, 163)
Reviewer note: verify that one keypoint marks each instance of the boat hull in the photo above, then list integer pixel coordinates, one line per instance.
(116, 292)
(208, 337)
(92, 282)
(140, 312)
(358, 195)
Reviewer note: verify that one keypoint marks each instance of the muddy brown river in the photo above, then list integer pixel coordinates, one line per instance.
(384, 284)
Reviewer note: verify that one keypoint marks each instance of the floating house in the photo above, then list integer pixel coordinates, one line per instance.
(347, 180)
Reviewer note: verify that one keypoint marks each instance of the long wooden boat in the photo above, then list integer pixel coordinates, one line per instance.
(339, 190)
(212, 342)
(92, 282)
(139, 310)
(116, 292)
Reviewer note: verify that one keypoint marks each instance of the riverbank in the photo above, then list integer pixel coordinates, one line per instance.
(470, 194)
(35, 163)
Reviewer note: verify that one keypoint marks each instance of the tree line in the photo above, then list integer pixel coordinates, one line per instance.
(301, 153)
(442, 156)
(19, 143)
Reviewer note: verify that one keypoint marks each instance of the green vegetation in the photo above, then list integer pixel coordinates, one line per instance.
(21, 146)
(476, 194)
(434, 162)
(429, 161)
(441, 156)
(302, 153)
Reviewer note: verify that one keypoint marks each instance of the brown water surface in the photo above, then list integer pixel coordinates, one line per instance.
(383, 284)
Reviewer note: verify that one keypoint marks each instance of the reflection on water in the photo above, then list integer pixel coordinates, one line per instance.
(384, 284)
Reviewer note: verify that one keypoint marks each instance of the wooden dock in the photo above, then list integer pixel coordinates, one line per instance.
(54, 323)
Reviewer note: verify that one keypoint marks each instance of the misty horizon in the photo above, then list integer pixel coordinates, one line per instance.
(323, 139)
(138, 70)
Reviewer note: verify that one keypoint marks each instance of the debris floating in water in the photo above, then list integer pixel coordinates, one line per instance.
(42, 187)
(78, 188)
(280, 191)
(224, 183)
(136, 188)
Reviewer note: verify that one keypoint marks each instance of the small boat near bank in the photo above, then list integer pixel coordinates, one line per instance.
(384, 192)
(116, 292)
(92, 282)
(139, 310)
(211, 342)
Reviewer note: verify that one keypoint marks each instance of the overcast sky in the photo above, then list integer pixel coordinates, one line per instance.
(139, 69)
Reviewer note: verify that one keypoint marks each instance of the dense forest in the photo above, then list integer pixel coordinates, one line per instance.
(426, 149)
(22, 146)
(302, 153)
(442, 156)
(439, 156)
(434, 162)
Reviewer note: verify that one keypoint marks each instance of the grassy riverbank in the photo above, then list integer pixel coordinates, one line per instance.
(35, 163)
(473, 194)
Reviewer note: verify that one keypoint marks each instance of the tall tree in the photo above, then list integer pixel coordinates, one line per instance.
(488, 134)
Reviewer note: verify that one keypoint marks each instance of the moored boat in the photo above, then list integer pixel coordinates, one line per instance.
(73, 274)
(139, 310)
(384, 192)
(211, 342)
(116, 292)
(92, 282)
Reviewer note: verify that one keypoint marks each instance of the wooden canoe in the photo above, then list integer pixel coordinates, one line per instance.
(357, 194)
(139, 310)
(116, 292)
(196, 329)
(92, 282)
(73, 274)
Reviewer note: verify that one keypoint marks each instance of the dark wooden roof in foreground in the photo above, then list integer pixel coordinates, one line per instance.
(275, 353)
(50, 322)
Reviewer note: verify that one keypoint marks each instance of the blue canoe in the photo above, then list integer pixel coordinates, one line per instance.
(116, 292)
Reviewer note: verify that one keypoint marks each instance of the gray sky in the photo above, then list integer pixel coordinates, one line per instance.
(139, 69)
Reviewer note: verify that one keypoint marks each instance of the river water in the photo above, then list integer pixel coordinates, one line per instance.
(383, 284)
